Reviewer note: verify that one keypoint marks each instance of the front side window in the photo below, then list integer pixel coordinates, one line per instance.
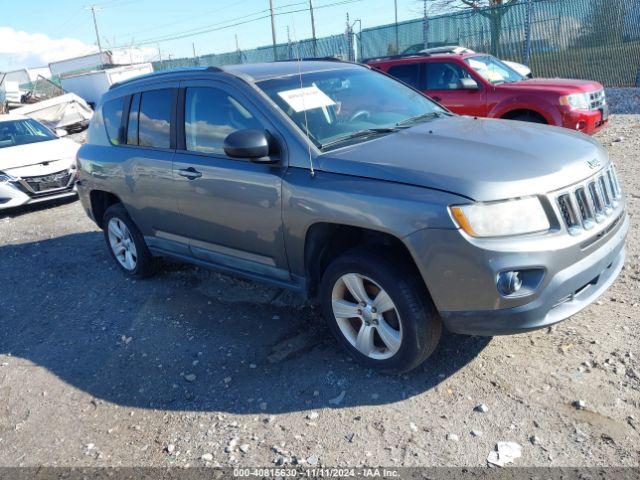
(154, 122)
(347, 104)
(445, 75)
(493, 70)
(23, 132)
(112, 115)
(409, 74)
(211, 115)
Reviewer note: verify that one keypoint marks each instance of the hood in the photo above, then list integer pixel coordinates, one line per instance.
(57, 153)
(562, 86)
(482, 159)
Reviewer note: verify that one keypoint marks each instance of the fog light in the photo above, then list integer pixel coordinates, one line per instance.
(509, 283)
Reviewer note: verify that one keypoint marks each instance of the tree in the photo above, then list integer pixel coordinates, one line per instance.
(493, 10)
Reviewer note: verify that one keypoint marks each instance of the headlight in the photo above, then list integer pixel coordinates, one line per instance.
(499, 219)
(4, 178)
(576, 100)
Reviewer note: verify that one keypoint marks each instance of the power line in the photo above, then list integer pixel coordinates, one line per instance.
(238, 21)
(198, 29)
(185, 19)
(206, 29)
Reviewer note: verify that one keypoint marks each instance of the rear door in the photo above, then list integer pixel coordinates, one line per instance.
(231, 208)
(149, 145)
(441, 82)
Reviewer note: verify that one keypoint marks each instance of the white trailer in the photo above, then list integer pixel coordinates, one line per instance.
(96, 61)
(91, 85)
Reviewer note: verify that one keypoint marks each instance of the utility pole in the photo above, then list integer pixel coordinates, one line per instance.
(238, 52)
(313, 29)
(395, 6)
(526, 56)
(348, 33)
(193, 45)
(273, 31)
(425, 26)
(93, 9)
(289, 56)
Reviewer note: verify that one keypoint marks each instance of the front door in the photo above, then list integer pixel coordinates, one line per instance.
(442, 83)
(231, 208)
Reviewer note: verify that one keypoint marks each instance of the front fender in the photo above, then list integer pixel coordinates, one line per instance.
(388, 207)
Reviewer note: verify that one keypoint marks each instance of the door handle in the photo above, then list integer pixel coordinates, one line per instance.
(190, 173)
(437, 99)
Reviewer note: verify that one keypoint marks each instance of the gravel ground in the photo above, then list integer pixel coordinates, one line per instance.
(624, 100)
(196, 368)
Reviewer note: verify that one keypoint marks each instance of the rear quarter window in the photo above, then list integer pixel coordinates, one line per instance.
(112, 116)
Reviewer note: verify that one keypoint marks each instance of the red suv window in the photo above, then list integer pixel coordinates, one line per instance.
(444, 75)
(408, 73)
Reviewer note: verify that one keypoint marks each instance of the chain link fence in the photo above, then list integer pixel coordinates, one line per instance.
(584, 39)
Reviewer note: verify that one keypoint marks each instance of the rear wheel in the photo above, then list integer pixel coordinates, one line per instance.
(379, 311)
(126, 244)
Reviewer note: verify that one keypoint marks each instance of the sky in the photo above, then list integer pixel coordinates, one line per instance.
(37, 32)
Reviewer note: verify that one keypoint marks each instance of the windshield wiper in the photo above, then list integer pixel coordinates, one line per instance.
(367, 132)
(419, 118)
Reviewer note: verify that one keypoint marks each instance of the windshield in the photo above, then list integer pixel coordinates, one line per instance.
(348, 105)
(493, 70)
(23, 132)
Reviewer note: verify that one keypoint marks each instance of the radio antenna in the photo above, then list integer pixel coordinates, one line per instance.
(306, 123)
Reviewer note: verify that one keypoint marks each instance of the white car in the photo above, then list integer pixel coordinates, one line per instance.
(36, 165)
(457, 50)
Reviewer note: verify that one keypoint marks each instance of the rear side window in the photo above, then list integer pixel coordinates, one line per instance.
(112, 116)
(154, 122)
(409, 74)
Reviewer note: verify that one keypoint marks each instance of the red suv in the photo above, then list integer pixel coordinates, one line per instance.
(483, 86)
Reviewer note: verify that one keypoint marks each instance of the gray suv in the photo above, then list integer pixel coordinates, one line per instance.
(351, 188)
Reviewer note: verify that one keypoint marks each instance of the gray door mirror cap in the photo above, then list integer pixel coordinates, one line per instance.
(249, 143)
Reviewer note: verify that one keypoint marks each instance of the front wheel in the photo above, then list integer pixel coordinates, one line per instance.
(379, 311)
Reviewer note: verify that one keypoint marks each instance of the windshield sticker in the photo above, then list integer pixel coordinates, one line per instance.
(308, 98)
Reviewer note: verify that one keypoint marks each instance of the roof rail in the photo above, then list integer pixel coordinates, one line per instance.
(166, 72)
(397, 57)
(313, 59)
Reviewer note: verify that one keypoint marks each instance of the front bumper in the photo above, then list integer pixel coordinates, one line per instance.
(12, 195)
(585, 121)
(462, 278)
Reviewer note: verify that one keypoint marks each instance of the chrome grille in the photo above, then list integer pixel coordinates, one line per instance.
(597, 100)
(590, 202)
(45, 183)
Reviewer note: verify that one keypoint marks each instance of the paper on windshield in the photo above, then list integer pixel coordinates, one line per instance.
(476, 65)
(307, 98)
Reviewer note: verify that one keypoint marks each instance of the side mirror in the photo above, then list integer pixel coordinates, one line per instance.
(61, 132)
(468, 84)
(249, 143)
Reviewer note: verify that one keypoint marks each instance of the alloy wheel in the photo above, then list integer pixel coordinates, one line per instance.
(122, 244)
(366, 316)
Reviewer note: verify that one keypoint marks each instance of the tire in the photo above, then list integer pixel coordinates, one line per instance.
(528, 117)
(414, 321)
(122, 236)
